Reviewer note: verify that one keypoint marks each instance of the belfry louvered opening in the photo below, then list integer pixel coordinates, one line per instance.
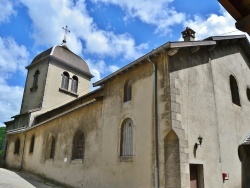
(65, 80)
(74, 84)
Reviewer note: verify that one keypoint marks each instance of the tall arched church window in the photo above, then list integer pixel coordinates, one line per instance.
(32, 143)
(17, 146)
(74, 84)
(65, 80)
(127, 91)
(126, 143)
(78, 146)
(234, 91)
(35, 81)
(52, 147)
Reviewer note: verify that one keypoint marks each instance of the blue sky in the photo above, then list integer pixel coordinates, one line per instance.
(107, 34)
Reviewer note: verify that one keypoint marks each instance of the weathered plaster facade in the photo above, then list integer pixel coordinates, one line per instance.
(192, 99)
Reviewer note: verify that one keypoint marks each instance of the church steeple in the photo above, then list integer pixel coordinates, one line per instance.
(55, 77)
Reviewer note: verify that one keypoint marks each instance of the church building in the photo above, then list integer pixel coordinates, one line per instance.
(177, 117)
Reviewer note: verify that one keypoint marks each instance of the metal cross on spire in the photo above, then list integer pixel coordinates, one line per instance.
(66, 30)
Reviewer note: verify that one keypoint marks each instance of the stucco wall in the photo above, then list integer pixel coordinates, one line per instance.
(233, 121)
(33, 99)
(139, 171)
(206, 109)
(72, 172)
(14, 160)
(53, 97)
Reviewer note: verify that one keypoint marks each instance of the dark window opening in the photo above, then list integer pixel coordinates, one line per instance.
(74, 84)
(234, 91)
(17, 146)
(127, 91)
(248, 94)
(32, 142)
(35, 81)
(126, 143)
(65, 80)
(52, 148)
(78, 146)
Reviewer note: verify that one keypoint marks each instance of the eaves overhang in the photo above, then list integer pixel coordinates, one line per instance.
(15, 131)
(164, 47)
(240, 11)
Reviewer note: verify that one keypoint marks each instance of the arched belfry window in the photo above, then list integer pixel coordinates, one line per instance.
(234, 91)
(32, 143)
(127, 91)
(52, 147)
(74, 84)
(65, 80)
(17, 146)
(35, 81)
(126, 143)
(78, 146)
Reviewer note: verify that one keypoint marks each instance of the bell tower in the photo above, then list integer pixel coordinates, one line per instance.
(55, 77)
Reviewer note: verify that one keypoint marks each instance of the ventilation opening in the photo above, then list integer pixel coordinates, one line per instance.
(248, 94)
(234, 91)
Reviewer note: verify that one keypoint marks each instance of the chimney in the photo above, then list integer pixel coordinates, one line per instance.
(188, 34)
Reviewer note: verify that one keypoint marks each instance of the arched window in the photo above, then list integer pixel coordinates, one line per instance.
(52, 147)
(17, 146)
(74, 84)
(35, 80)
(234, 91)
(32, 142)
(127, 91)
(65, 80)
(126, 143)
(78, 146)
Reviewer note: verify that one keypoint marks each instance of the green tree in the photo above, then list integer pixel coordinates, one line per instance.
(2, 135)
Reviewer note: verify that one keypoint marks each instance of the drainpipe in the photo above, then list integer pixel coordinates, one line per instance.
(156, 160)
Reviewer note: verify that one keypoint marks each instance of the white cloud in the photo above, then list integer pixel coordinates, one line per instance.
(214, 25)
(159, 13)
(47, 29)
(7, 10)
(13, 58)
(10, 101)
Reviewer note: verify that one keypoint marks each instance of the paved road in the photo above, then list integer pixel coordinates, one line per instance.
(21, 179)
(9, 179)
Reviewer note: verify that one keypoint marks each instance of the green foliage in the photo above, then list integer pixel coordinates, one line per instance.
(2, 135)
